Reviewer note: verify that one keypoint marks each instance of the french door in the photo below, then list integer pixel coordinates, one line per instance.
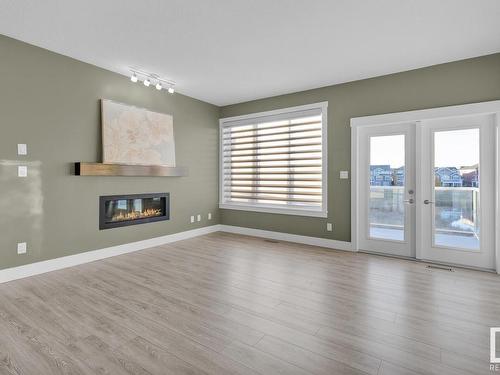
(387, 194)
(426, 190)
(457, 179)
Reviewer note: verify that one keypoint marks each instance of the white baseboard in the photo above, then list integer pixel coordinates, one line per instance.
(37, 268)
(280, 236)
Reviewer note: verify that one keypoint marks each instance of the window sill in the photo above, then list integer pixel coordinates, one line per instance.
(273, 210)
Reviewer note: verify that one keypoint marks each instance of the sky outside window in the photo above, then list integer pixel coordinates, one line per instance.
(388, 150)
(456, 148)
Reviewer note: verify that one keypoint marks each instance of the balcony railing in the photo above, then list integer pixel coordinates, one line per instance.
(456, 218)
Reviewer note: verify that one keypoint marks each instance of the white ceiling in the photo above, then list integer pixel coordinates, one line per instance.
(229, 51)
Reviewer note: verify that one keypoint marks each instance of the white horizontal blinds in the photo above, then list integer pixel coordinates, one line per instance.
(274, 161)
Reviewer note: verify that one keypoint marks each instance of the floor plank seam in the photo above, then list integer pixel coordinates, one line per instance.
(257, 343)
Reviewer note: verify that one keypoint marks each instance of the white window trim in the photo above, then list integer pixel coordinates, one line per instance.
(224, 122)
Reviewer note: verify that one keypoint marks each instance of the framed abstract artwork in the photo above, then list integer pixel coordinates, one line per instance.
(136, 136)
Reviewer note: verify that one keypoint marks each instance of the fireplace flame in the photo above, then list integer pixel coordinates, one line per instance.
(150, 212)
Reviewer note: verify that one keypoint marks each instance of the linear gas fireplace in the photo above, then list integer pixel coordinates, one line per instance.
(122, 210)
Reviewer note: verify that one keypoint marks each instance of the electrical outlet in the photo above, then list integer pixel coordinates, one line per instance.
(209, 216)
(344, 175)
(22, 171)
(192, 219)
(329, 227)
(198, 218)
(22, 149)
(21, 248)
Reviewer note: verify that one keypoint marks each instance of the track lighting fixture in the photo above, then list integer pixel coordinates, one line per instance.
(137, 75)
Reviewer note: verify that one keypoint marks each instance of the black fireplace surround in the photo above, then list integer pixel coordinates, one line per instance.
(123, 210)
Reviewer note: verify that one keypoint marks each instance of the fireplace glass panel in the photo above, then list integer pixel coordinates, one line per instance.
(129, 210)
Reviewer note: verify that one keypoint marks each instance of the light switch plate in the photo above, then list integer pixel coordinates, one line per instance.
(329, 227)
(209, 216)
(22, 149)
(21, 248)
(192, 219)
(22, 171)
(344, 175)
(198, 218)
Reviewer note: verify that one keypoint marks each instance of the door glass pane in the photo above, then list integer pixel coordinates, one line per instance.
(387, 180)
(456, 189)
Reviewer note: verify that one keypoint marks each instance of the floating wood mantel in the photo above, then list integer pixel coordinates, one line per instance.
(100, 169)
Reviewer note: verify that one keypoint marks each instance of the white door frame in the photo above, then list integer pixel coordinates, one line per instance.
(492, 108)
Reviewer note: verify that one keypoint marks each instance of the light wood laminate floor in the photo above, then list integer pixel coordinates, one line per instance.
(229, 304)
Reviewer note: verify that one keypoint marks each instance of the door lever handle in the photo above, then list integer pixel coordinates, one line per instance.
(428, 202)
(411, 200)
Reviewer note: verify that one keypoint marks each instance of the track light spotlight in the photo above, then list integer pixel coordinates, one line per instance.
(151, 79)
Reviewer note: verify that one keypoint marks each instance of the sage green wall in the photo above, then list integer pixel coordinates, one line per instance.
(461, 82)
(51, 102)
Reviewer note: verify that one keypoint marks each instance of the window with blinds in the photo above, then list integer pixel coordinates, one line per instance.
(275, 161)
